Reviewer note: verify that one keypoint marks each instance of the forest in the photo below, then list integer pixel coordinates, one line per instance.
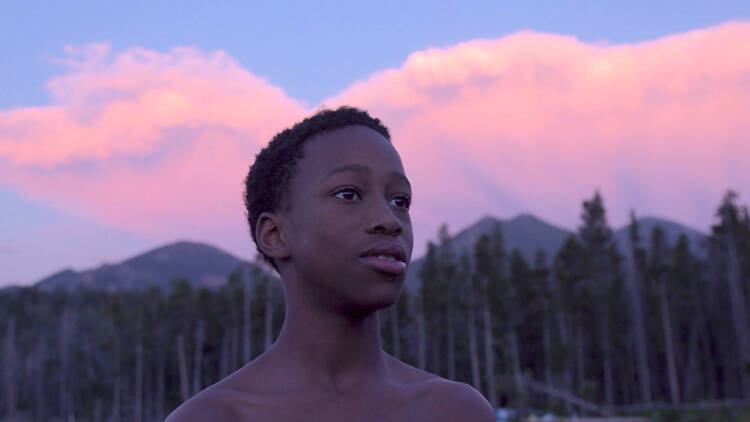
(593, 330)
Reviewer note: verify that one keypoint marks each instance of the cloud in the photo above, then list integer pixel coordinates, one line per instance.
(536, 122)
(158, 143)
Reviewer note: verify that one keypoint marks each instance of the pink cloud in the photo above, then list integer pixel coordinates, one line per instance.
(536, 122)
(158, 143)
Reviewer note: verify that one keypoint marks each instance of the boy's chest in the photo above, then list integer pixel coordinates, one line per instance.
(349, 414)
(410, 406)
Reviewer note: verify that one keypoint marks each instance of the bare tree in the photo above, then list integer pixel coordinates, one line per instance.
(39, 396)
(395, 334)
(66, 328)
(421, 337)
(268, 331)
(200, 336)
(183, 369)
(10, 366)
(636, 310)
(489, 352)
(116, 382)
(246, 330)
(472, 329)
(138, 402)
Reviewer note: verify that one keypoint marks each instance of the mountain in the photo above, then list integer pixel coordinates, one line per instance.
(672, 232)
(201, 264)
(205, 265)
(527, 233)
(524, 232)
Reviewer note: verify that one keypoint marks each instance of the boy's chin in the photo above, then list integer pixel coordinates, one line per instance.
(361, 310)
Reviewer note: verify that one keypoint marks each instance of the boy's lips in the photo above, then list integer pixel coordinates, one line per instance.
(389, 258)
(386, 266)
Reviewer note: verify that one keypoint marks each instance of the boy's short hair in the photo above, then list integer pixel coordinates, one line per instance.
(267, 182)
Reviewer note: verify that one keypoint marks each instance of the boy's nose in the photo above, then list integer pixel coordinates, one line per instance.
(383, 220)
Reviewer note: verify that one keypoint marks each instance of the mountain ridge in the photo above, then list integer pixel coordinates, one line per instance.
(528, 233)
(207, 266)
(202, 264)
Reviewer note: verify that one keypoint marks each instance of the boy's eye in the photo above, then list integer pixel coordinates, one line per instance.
(348, 194)
(401, 202)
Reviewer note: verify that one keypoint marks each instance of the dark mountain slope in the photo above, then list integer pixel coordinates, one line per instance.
(201, 264)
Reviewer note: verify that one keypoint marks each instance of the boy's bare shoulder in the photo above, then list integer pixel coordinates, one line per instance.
(457, 401)
(448, 400)
(215, 405)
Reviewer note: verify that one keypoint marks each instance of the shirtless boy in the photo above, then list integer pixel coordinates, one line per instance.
(328, 206)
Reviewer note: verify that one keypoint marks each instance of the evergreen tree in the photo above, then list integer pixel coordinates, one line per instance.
(601, 271)
(730, 248)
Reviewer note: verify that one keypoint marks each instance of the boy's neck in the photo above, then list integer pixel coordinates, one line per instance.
(326, 350)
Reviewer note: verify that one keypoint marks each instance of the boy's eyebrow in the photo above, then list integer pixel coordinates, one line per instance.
(360, 168)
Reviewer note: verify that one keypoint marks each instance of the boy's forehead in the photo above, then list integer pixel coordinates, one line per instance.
(351, 145)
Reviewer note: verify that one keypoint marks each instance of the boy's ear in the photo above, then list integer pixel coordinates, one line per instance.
(271, 237)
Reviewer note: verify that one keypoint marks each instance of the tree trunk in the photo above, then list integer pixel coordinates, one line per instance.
(39, 378)
(636, 310)
(489, 352)
(10, 365)
(580, 372)
(268, 338)
(224, 354)
(709, 361)
(138, 402)
(148, 388)
(395, 334)
(436, 349)
(161, 375)
(116, 387)
(200, 333)
(182, 367)
(246, 329)
(607, 363)
(692, 371)
(65, 334)
(473, 352)
(739, 313)
(451, 354)
(421, 337)
(516, 363)
(666, 321)
(568, 366)
(235, 349)
(97, 410)
(547, 350)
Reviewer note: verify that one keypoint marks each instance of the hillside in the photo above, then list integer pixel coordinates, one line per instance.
(201, 264)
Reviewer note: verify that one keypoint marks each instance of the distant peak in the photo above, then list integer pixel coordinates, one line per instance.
(525, 216)
(65, 271)
(488, 219)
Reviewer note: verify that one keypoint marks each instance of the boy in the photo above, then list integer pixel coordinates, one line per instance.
(328, 206)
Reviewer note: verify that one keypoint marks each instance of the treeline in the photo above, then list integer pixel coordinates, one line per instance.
(91, 355)
(592, 329)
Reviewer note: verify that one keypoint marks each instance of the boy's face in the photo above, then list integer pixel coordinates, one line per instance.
(349, 203)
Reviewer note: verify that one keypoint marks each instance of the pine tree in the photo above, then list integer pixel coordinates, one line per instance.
(601, 270)
(729, 242)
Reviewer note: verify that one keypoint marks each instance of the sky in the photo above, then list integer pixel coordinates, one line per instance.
(125, 126)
